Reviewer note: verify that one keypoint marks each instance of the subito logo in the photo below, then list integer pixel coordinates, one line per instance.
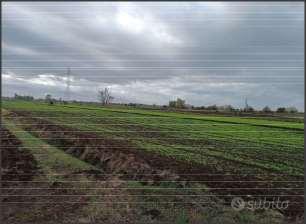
(238, 204)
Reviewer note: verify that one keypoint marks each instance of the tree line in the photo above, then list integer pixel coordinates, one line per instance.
(105, 98)
(181, 104)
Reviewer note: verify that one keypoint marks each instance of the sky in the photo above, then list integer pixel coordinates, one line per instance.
(152, 52)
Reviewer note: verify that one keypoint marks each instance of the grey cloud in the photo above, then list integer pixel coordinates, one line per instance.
(205, 52)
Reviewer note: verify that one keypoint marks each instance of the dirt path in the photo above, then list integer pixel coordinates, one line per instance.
(33, 191)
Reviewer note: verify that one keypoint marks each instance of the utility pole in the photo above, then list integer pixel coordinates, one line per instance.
(246, 104)
(68, 84)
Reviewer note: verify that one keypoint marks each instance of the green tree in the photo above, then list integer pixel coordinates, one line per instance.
(291, 110)
(266, 109)
(48, 99)
(281, 110)
(178, 103)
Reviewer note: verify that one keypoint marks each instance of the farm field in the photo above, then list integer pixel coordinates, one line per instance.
(164, 153)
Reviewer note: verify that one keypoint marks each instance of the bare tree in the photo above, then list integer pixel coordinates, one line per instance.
(105, 96)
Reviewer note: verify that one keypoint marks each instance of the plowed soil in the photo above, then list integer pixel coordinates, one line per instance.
(122, 158)
(15, 161)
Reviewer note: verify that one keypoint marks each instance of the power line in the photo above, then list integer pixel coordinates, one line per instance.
(68, 82)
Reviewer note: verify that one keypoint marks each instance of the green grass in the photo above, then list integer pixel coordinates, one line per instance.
(223, 119)
(253, 144)
(50, 159)
(244, 145)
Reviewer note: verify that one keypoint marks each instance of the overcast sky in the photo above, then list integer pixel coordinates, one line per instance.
(207, 53)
